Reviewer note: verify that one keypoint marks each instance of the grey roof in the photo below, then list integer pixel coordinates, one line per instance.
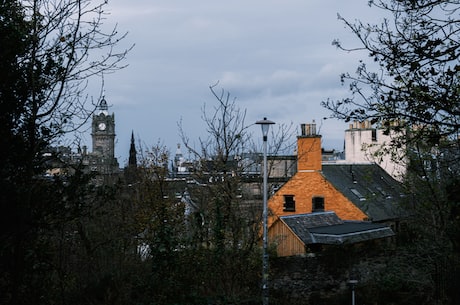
(328, 228)
(369, 187)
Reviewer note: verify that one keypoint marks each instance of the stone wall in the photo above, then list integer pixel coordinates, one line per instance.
(320, 279)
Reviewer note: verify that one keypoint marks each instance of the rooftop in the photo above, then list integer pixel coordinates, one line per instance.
(369, 187)
(328, 228)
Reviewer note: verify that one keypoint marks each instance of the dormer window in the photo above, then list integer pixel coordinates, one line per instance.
(289, 203)
(317, 204)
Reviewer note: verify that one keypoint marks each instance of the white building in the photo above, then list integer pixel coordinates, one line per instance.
(364, 143)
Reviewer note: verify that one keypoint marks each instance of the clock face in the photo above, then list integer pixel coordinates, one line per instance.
(101, 126)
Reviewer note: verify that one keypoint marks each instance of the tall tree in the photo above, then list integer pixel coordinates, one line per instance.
(411, 90)
(161, 231)
(46, 59)
(217, 153)
(226, 228)
(227, 199)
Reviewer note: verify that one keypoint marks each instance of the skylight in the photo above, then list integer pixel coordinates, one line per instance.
(358, 194)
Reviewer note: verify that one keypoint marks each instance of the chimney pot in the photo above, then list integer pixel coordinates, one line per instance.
(308, 129)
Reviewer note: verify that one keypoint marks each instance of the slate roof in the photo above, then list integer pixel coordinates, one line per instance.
(369, 187)
(328, 228)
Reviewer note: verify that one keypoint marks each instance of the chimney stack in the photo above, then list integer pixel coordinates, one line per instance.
(308, 148)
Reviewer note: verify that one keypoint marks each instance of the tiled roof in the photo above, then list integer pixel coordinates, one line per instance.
(369, 187)
(314, 220)
(328, 228)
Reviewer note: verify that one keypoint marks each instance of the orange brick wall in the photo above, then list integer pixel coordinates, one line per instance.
(309, 153)
(304, 186)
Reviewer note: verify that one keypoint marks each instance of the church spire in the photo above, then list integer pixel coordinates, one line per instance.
(132, 163)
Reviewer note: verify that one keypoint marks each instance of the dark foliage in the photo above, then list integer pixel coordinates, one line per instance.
(42, 218)
(410, 89)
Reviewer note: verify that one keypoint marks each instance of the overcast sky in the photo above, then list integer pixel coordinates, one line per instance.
(274, 56)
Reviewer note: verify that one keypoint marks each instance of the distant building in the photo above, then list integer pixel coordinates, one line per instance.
(102, 159)
(131, 171)
(365, 143)
(180, 166)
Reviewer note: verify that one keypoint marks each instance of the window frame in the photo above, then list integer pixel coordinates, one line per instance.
(317, 200)
(289, 203)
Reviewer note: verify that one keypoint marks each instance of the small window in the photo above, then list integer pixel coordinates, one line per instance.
(289, 203)
(317, 204)
(374, 135)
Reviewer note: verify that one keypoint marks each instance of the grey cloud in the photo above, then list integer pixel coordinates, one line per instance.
(274, 56)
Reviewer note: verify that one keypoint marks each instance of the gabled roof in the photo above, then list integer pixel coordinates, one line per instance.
(369, 187)
(328, 228)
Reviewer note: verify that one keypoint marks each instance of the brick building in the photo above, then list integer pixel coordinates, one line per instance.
(360, 193)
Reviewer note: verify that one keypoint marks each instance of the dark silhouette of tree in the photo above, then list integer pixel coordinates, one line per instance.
(46, 59)
(413, 79)
(411, 91)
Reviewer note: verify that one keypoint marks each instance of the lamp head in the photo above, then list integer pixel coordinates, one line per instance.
(265, 124)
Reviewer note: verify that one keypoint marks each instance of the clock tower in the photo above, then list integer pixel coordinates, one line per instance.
(103, 135)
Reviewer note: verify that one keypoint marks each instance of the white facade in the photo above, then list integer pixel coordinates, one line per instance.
(364, 144)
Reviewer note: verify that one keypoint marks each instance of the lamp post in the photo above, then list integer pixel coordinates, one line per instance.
(352, 284)
(265, 124)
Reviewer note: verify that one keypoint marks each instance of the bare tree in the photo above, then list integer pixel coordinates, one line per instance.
(228, 194)
(68, 47)
(413, 81)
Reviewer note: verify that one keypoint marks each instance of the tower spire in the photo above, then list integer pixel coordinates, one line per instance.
(103, 107)
(132, 163)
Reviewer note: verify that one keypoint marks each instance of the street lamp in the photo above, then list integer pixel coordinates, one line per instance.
(265, 124)
(352, 284)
